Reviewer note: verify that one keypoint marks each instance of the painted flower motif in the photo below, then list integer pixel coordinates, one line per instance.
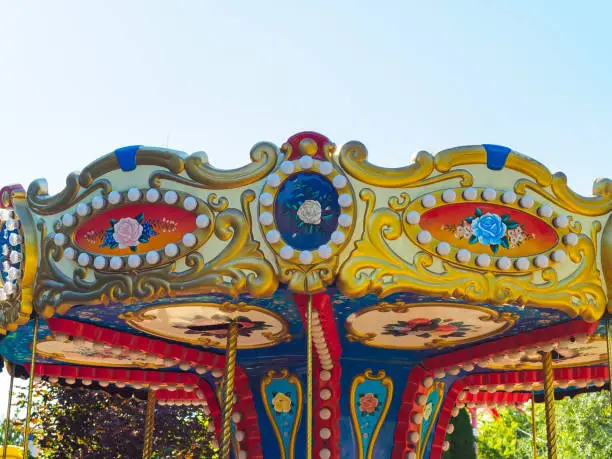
(310, 212)
(489, 229)
(128, 232)
(368, 403)
(428, 411)
(426, 328)
(217, 326)
(282, 403)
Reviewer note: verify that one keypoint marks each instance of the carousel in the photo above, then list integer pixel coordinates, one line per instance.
(315, 305)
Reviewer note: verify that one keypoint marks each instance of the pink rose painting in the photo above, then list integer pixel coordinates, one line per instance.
(368, 403)
(128, 232)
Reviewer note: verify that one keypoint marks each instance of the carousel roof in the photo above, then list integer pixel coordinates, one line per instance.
(470, 262)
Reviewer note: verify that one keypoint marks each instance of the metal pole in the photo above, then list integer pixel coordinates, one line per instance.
(228, 388)
(26, 432)
(309, 380)
(533, 427)
(549, 404)
(8, 417)
(147, 450)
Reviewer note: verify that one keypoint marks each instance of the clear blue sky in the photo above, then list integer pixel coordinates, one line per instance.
(80, 78)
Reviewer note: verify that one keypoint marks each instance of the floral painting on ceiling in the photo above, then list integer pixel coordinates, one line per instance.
(426, 328)
(217, 326)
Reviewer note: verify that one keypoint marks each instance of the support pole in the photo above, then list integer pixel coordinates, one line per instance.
(609, 340)
(549, 404)
(533, 427)
(309, 380)
(147, 450)
(26, 432)
(228, 389)
(8, 417)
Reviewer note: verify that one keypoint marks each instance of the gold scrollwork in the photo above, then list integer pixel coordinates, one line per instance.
(239, 268)
(438, 387)
(353, 158)
(606, 259)
(387, 383)
(295, 381)
(374, 267)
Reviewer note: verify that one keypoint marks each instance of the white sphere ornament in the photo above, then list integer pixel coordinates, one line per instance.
(541, 261)
(324, 251)
(190, 203)
(134, 261)
(561, 221)
(545, 211)
(417, 418)
(325, 413)
(526, 202)
(504, 263)
(345, 220)
(266, 199)
(339, 181)
(82, 209)
(508, 197)
(171, 250)
(443, 248)
(324, 453)
(338, 237)
(325, 167)
(413, 217)
(116, 263)
(189, 240)
(83, 259)
(59, 239)
(286, 252)
(483, 260)
(273, 236)
(266, 218)
(152, 257)
(133, 194)
(287, 167)
(170, 197)
(345, 200)
(449, 196)
(305, 257)
(325, 433)
(273, 180)
(469, 194)
(463, 255)
(424, 237)
(202, 221)
(114, 197)
(306, 162)
(522, 264)
(99, 262)
(557, 256)
(153, 195)
(68, 220)
(98, 202)
(427, 381)
(411, 455)
(570, 239)
(428, 201)
(489, 194)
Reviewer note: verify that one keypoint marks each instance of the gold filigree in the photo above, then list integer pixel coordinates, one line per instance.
(202, 175)
(239, 268)
(374, 267)
(387, 383)
(295, 381)
(606, 259)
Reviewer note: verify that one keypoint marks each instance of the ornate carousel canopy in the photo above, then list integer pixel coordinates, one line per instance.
(317, 304)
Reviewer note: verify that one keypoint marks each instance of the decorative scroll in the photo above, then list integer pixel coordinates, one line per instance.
(369, 402)
(282, 397)
(239, 268)
(375, 267)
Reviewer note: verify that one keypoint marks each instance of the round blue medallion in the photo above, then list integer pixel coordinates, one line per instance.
(306, 211)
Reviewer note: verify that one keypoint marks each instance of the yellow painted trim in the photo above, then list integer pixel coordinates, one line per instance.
(437, 386)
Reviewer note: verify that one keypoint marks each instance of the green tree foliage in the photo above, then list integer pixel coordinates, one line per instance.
(462, 439)
(584, 430)
(70, 423)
